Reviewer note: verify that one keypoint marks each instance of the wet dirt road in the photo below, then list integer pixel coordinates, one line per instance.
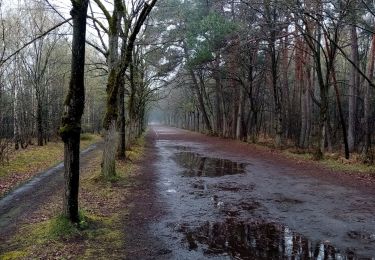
(222, 199)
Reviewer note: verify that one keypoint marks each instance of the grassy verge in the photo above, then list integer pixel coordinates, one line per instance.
(100, 234)
(333, 161)
(24, 164)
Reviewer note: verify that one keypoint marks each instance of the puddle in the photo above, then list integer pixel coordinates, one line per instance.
(255, 240)
(242, 202)
(200, 186)
(197, 165)
(179, 147)
(249, 205)
(285, 200)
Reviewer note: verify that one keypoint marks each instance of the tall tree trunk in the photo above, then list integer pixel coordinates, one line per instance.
(16, 133)
(270, 13)
(224, 121)
(109, 151)
(277, 101)
(39, 122)
(310, 83)
(70, 130)
(198, 126)
(115, 78)
(353, 88)
(111, 134)
(287, 103)
(341, 114)
(113, 84)
(239, 114)
(121, 123)
(200, 101)
(218, 114)
(366, 154)
(323, 87)
(300, 84)
(323, 111)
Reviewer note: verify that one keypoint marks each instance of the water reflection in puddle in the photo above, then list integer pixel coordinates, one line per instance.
(256, 240)
(197, 165)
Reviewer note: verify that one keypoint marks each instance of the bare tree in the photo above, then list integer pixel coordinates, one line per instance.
(74, 104)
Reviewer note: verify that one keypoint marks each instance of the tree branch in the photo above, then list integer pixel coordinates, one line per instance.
(33, 40)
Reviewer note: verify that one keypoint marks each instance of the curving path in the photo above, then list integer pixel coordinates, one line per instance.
(30, 196)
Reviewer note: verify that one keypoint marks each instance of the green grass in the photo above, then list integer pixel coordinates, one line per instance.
(33, 158)
(298, 156)
(55, 228)
(13, 255)
(34, 235)
(88, 137)
(348, 166)
(334, 162)
(100, 233)
(37, 157)
(50, 236)
(137, 149)
(24, 164)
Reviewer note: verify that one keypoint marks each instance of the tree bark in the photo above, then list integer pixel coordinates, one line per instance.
(113, 85)
(271, 23)
(39, 122)
(70, 130)
(121, 107)
(323, 99)
(200, 101)
(366, 154)
(109, 151)
(239, 114)
(218, 126)
(121, 124)
(276, 96)
(341, 114)
(353, 88)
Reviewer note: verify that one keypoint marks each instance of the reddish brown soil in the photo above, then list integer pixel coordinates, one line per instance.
(311, 168)
(140, 243)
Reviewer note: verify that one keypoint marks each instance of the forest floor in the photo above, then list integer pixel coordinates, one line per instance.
(31, 225)
(26, 163)
(184, 195)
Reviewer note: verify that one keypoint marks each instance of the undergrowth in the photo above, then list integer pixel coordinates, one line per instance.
(24, 164)
(100, 233)
(333, 161)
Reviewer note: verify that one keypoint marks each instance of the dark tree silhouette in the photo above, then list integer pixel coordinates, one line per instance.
(71, 121)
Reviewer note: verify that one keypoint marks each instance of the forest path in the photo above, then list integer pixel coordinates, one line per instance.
(206, 197)
(29, 197)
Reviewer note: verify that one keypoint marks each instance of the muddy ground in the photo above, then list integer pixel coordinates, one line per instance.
(201, 197)
(204, 197)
